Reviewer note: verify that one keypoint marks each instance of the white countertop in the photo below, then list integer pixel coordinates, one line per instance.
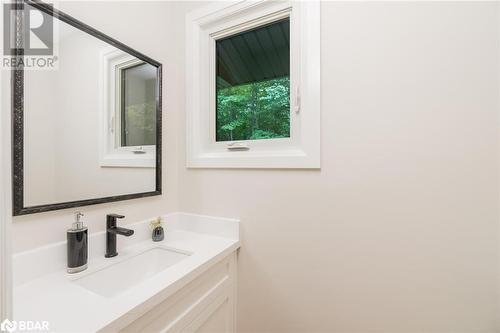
(51, 295)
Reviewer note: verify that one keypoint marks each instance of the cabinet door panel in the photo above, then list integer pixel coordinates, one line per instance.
(215, 319)
(204, 303)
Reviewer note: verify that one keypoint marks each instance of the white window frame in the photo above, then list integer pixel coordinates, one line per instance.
(203, 27)
(112, 154)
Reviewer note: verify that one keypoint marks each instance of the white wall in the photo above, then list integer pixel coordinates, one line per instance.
(5, 198)
(63, 117)
(40, 138)
(398, 232)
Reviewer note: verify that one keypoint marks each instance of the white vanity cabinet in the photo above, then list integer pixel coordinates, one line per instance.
(146, 288)
(206, 304)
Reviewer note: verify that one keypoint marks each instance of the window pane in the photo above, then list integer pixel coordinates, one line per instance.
(138, 118)
(253, 84)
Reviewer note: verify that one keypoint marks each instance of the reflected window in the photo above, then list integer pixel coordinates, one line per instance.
(138, 106)
(129, 121)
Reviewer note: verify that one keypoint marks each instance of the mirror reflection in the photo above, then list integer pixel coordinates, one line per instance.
(90, 125)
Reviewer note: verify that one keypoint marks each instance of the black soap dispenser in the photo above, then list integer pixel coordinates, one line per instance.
(77, 246)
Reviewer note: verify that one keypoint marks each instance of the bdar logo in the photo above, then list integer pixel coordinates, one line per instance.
(7, 326)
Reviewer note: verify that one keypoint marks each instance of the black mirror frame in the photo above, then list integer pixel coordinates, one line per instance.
(17, 86)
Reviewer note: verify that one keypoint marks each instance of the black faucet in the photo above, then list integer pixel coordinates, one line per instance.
(111, 231)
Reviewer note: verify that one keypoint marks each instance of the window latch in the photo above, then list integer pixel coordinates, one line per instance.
(235, 146)
(139, 150)
(296, 104)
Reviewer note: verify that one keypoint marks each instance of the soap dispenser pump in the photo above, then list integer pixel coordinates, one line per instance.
(77, 245)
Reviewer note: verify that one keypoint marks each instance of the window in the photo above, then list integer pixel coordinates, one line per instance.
(138, 106)
(129, 85)
(253, 85)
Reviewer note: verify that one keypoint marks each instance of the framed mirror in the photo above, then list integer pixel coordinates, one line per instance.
(88, 129)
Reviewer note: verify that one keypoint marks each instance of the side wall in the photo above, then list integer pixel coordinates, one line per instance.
(398, 231)
(5, 199)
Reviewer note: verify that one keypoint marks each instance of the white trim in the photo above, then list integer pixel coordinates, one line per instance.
(203, 27)
(110, 154)
(5, 201)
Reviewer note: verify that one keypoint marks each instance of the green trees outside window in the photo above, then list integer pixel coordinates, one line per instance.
(253, 84)
(258, 110)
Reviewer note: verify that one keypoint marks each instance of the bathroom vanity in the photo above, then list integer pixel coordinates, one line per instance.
(187, 282)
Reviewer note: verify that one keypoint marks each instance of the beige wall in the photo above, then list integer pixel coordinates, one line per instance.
(398, 232)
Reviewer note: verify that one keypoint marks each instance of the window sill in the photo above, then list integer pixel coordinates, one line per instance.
(122, 161)
(291, 158)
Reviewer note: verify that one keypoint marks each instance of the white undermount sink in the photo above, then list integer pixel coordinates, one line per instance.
(124, 275)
